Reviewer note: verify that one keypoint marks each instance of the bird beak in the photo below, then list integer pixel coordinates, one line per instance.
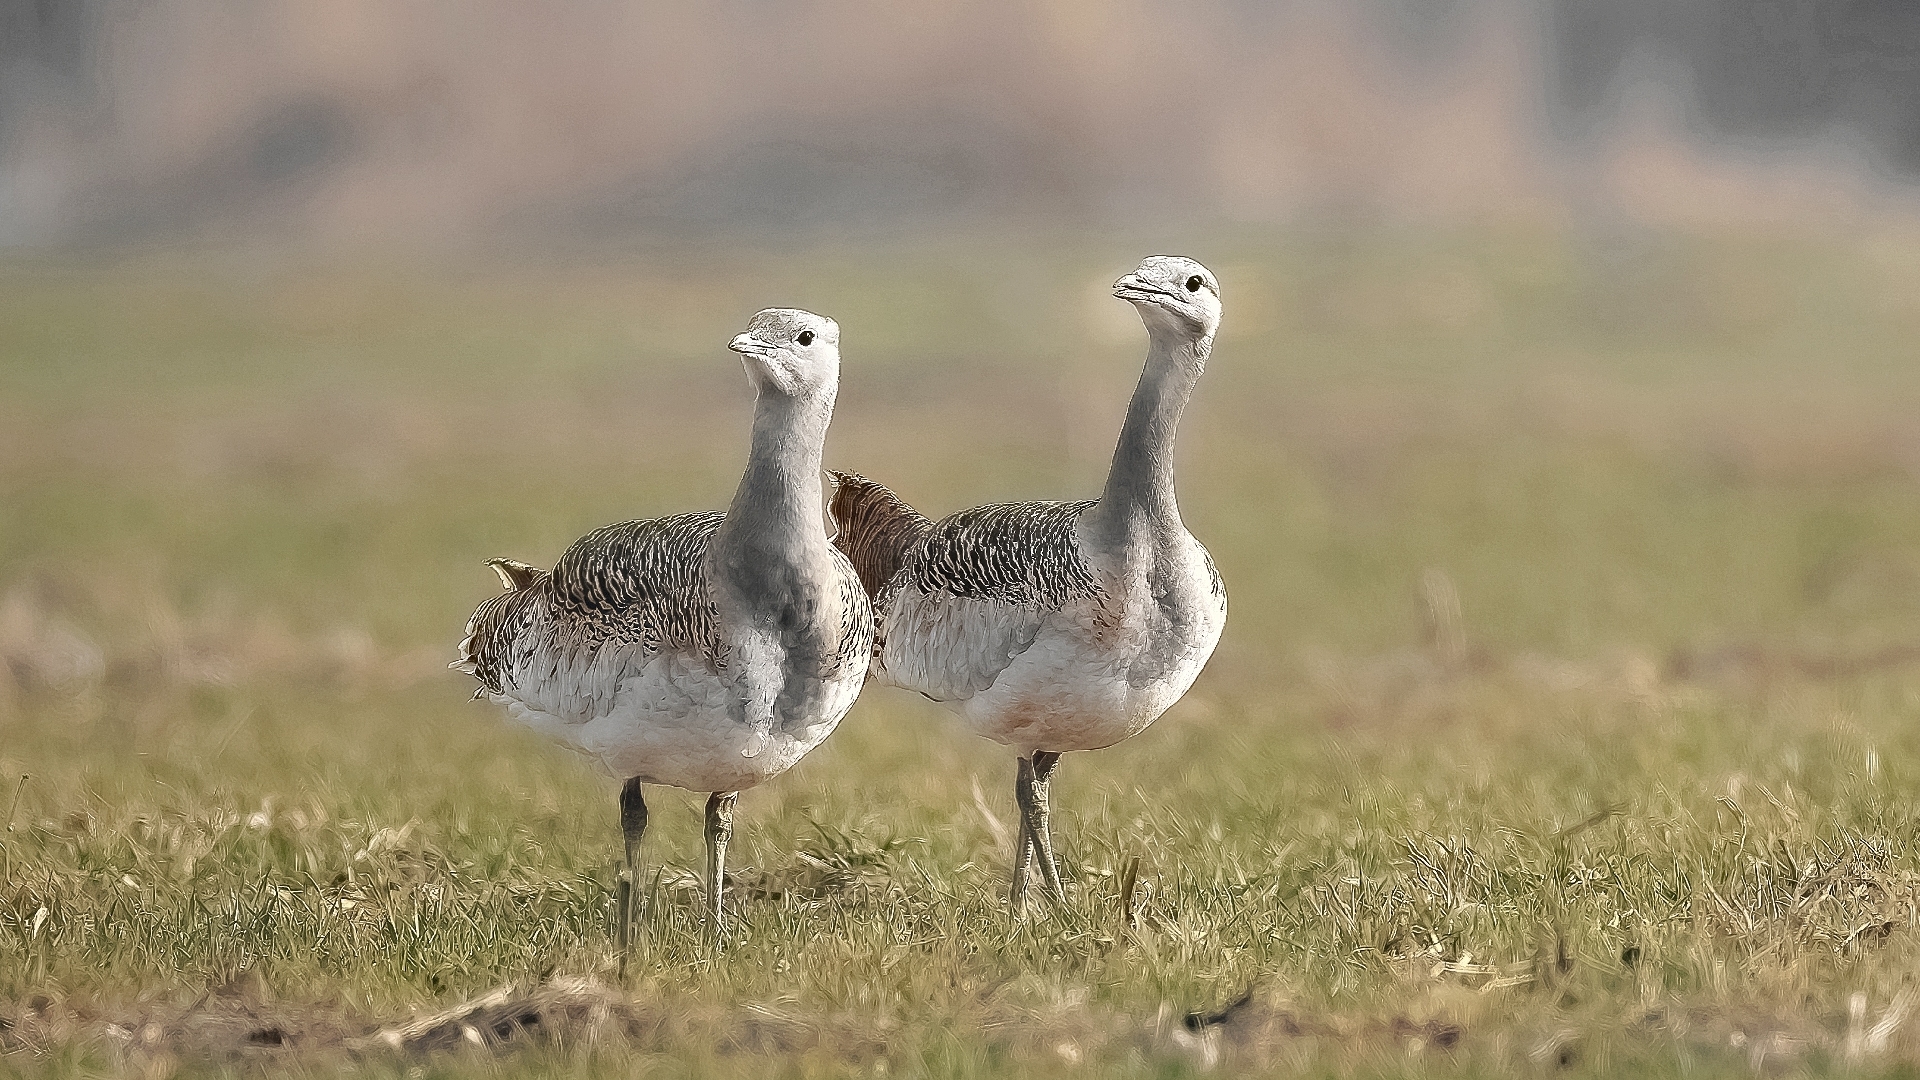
(764, 364)
(748, 345)
(1132, 287)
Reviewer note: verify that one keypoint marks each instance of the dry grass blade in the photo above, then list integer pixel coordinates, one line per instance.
(500, 1017)
(1129, 916)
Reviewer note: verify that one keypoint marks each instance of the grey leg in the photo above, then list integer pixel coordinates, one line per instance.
(1042, 836)
(1036, 841)
(719, 831)
(1022, 848)
(633, 826)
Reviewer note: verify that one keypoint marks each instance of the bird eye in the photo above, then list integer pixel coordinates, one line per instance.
(805, 338)
(1194, 283)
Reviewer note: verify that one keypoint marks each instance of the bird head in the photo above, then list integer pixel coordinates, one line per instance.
(791, 352)
(1174, 295)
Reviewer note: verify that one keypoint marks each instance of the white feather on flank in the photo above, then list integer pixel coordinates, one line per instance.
(951, 648)
(669, 719)
(1083, 676)
(673, 715)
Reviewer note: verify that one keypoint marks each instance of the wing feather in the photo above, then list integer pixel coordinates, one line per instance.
(563, 640)
(975, 590)
(873, 527)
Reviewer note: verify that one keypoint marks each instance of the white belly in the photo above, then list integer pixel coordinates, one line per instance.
(1083, 687)
(675, 722)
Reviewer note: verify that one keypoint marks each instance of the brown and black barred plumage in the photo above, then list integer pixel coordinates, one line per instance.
(635, 586)
(1021, 554)
(874, 527)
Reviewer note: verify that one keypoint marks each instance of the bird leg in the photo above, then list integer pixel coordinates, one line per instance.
(1036, 842)
(719, 831)
(1042, 836)
(1022, 848)
(633, 826)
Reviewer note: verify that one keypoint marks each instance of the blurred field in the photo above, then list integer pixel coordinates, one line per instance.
(1565, 720)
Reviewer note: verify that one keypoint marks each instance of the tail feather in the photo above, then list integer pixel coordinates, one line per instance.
(875, 528)
(491, 630)
(515, 574)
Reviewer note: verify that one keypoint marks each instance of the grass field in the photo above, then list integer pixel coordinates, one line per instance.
(1565, 721)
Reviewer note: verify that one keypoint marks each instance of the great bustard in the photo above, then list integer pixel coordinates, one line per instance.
(707, 651)
(1057, 626)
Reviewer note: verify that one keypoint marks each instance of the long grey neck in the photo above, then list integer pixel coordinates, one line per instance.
(1138, 503)
(776, 511)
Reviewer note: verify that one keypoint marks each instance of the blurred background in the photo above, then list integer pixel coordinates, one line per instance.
(1597, 317)
(398, 124)
(1560, 445)
(293, 272)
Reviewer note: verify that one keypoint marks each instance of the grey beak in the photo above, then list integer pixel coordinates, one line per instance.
(748, 345)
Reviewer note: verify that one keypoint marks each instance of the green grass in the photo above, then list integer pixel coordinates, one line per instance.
(1565, 721)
